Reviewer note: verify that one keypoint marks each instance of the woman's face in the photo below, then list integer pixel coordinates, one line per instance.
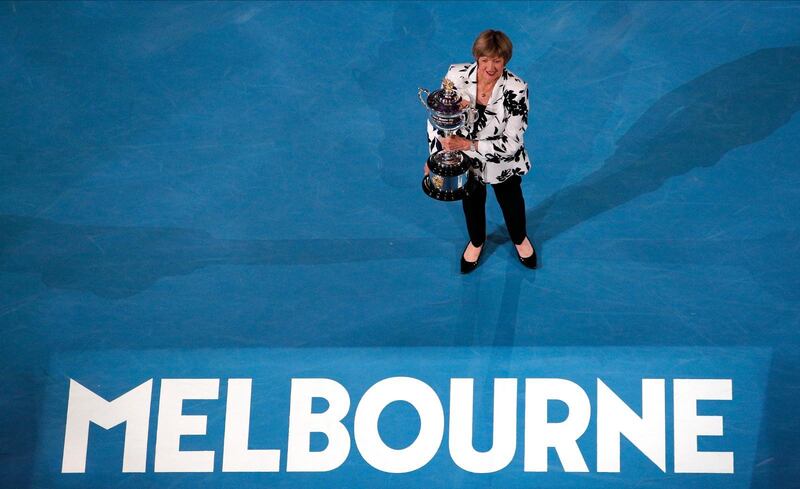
(490, 67)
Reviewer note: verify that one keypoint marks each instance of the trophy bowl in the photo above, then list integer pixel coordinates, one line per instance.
(449, 178)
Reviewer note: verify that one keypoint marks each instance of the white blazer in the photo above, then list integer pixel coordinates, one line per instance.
(500, 132)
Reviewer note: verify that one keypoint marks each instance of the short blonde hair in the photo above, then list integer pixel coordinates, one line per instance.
(492, 43)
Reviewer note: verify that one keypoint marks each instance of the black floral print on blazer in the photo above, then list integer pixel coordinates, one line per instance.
(500, 131)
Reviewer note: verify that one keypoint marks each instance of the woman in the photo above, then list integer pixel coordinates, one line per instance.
(494, 143)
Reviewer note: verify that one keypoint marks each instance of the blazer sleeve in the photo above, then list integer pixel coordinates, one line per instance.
(434, 144)
(510, 144)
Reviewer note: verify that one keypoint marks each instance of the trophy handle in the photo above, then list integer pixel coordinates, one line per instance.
(423, 101)
(470, 113)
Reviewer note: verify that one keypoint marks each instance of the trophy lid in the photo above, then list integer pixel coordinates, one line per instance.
(445, 100)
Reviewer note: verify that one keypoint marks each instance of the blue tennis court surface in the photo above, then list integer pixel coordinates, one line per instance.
(195, 193)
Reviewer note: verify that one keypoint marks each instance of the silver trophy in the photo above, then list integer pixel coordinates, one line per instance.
(448, 178)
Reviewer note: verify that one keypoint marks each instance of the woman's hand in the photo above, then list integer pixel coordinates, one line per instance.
(456, 143)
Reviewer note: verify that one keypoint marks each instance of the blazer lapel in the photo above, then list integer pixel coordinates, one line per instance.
(472, 82)
(495, 110)
(499, 89)
(472, 73)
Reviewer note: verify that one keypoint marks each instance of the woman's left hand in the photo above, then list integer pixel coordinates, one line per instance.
(456, 143)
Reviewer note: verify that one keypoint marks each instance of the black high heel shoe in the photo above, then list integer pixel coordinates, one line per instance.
(468, 266)
(528, 261)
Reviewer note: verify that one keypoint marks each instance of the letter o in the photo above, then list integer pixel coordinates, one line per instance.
(431, 415)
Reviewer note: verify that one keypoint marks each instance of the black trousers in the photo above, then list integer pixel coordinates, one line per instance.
(509, 196)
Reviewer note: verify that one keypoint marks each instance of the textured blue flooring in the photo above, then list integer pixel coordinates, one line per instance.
(241, 177)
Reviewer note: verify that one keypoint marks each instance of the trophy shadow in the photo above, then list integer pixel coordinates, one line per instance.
(117, 262)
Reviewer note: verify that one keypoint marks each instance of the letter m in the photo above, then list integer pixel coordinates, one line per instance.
(84, 406)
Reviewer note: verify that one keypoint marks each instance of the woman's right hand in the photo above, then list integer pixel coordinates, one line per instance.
(426, 170)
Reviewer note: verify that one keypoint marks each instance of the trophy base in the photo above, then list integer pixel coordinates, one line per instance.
(445, 195)
(448, 178)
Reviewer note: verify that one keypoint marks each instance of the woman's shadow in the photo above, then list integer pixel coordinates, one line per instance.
(693, 126)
